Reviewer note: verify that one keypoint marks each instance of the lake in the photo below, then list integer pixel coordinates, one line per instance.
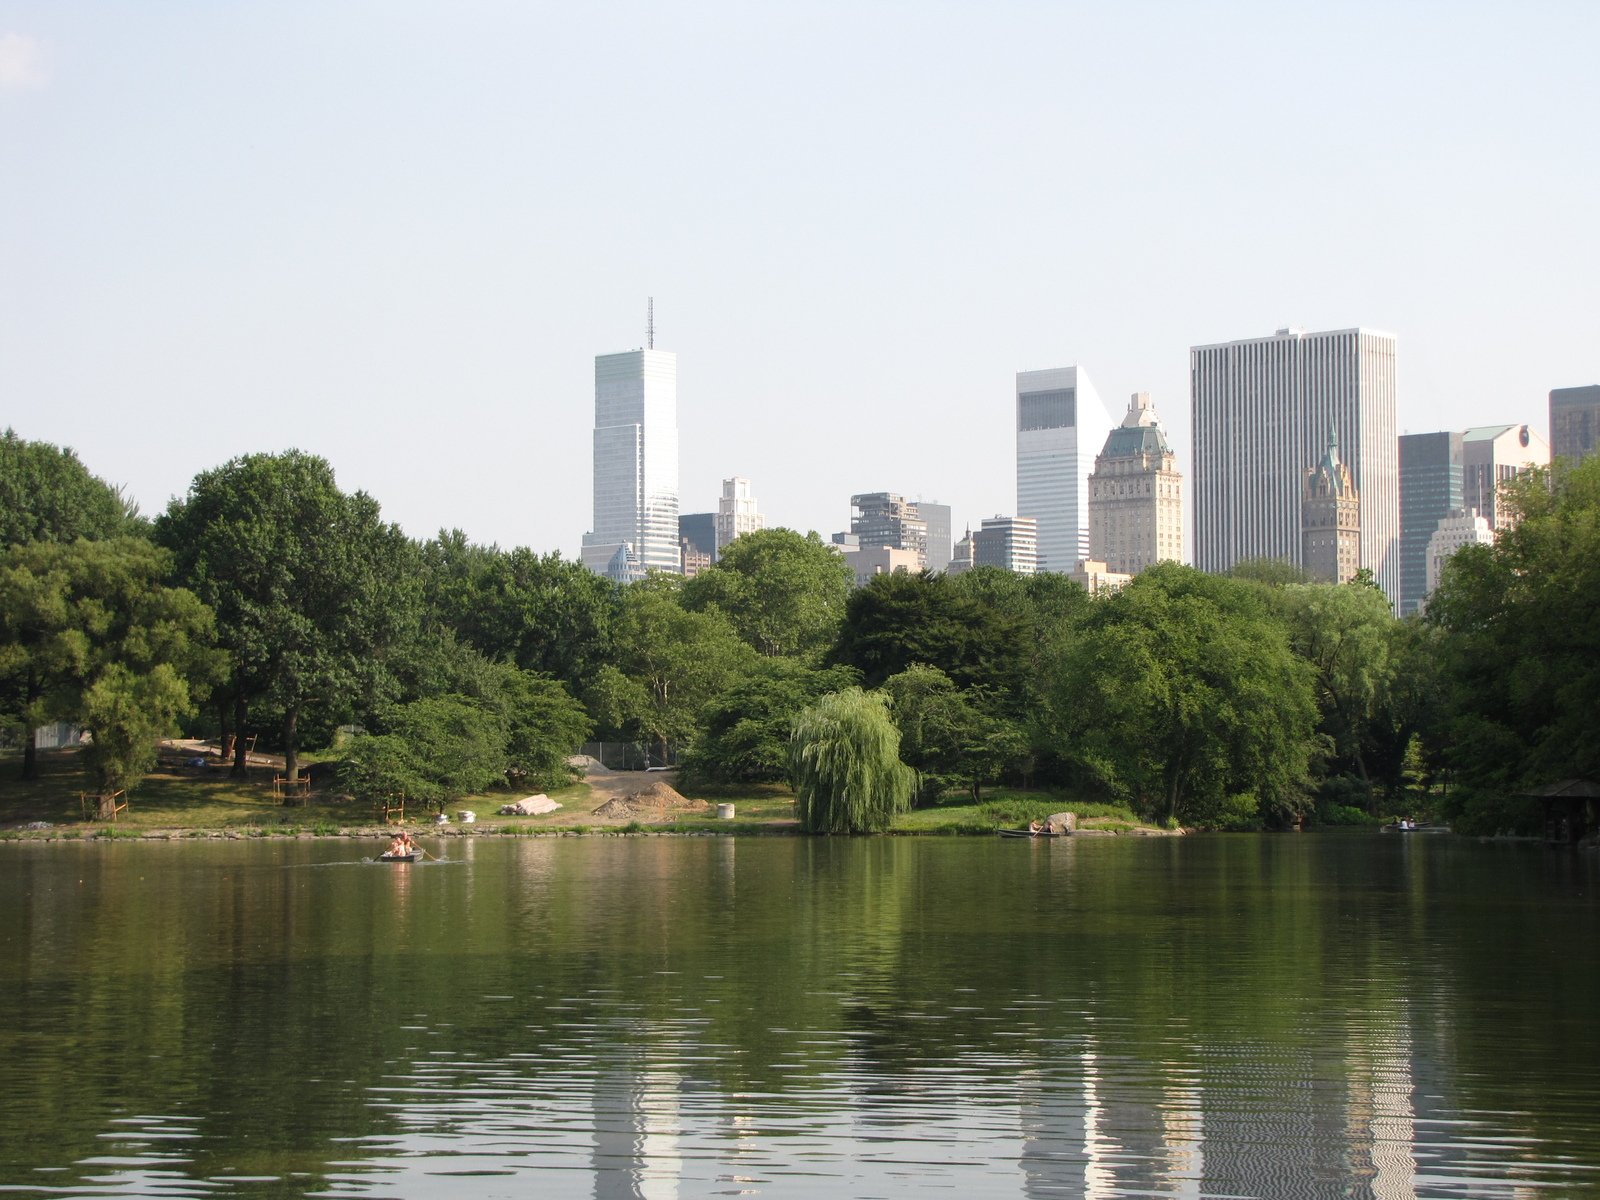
(1268, 1016)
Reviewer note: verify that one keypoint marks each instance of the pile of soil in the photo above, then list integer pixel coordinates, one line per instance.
(655, 799)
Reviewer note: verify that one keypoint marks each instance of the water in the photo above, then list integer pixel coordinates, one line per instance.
(1249, 1016)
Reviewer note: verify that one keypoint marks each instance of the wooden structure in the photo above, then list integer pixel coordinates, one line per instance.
(389, 808)
(1571, 811)
(98, 807)
(292, 790)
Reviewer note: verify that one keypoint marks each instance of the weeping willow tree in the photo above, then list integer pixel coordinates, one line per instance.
(844, 763)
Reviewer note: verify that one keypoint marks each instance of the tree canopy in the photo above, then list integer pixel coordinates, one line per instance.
(89, 634)
(783, 593)
(310, 588)
(47, 495)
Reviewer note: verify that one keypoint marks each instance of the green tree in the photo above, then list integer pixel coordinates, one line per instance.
(783, 593)
(898, 620)
(1346, 633)
(669, 664)
(312, 591)
(844, 764)
(946, 736)
(744, 729)
(47, 495)
(545, 726)
(126, 713)
(87, 631)
(542, 613)
(1521, 653)
(1183, 695)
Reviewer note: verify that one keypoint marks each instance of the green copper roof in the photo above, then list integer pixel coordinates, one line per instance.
(1136, 439)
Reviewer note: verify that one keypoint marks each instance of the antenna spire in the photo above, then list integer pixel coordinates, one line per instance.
(650, 323)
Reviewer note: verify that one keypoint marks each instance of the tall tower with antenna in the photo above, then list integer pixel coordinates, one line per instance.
(635, 462)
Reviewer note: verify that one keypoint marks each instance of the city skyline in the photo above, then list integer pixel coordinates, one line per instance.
(406, 262)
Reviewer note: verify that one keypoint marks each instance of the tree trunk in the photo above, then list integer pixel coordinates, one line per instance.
(222, 725)
(241, 710)
(291, 747)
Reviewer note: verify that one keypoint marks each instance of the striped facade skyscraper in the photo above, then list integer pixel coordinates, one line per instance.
(1060, 424)
(635, 466)
(1261, 410)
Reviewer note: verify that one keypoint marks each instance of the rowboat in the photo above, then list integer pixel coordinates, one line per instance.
(1028, 833)
(412, 857)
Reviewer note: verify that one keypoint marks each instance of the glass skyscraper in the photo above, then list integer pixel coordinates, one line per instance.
(1060, 424)
(1430, 490)
(635, 465)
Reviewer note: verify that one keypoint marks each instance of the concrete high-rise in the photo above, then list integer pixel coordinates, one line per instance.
(1135, 495)
(1261, 411)
(1574, 422)
(936, 518)
(1430, 490)
(736, 512)
(1490, 456)
(1463, 527)
(889, 520)
(1010, 543)
(635, 465)
(1060, 420)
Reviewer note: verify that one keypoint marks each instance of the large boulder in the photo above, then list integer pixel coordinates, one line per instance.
(1063, 822)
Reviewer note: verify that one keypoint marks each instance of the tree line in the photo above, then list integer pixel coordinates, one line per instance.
(266, 601)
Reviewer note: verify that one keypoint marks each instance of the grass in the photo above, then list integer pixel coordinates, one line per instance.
(1013, 808)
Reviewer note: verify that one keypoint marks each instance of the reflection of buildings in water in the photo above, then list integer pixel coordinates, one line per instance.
(637, 1131)
(1102, 1127)
(1183, 1135)
(1380, 1121)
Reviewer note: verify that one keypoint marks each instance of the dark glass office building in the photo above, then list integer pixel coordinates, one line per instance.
(1574, 422)
(1430, 486)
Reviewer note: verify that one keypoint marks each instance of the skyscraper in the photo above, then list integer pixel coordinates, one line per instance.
(1059, 422)
(635, 465)
(937, 519)
(1430, 490)
(1574, 422)
(1010, 543)
(736, 512)
(1490, 456)
(888, 519)
(1261, 413)
(1136, 495)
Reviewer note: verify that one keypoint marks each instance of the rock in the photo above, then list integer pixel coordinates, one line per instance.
(1063, 822)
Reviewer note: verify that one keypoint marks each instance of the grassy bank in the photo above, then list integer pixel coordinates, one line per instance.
(210, 800)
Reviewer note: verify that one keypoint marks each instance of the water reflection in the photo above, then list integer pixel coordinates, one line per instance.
(675, 1018)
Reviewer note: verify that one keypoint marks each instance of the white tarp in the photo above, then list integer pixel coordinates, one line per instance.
(530, 806)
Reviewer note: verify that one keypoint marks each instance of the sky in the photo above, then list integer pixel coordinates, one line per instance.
(396, 234)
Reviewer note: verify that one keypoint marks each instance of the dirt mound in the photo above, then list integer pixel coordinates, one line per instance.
(654, 798)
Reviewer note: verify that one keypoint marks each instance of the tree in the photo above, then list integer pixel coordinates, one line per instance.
(1521, 652)
(898, 620)
(545, 726)
(89, 634)
(312, 591)
(1346, 633)
(47, 495)
(542, 613)
(783, 593)
(946, 736)
(1183, 695)
(669, 664)
(844, 764)
(744, 729)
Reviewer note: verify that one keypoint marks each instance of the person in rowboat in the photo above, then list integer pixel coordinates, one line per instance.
(401, 845)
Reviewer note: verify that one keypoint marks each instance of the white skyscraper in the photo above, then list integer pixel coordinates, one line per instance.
(736, 512)
(1262, 410)
(1060, 424)
(635, 465)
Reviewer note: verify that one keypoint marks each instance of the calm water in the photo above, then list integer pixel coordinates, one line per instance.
(1274, 1017)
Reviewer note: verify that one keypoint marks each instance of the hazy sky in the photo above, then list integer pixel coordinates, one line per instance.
(397, 234)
